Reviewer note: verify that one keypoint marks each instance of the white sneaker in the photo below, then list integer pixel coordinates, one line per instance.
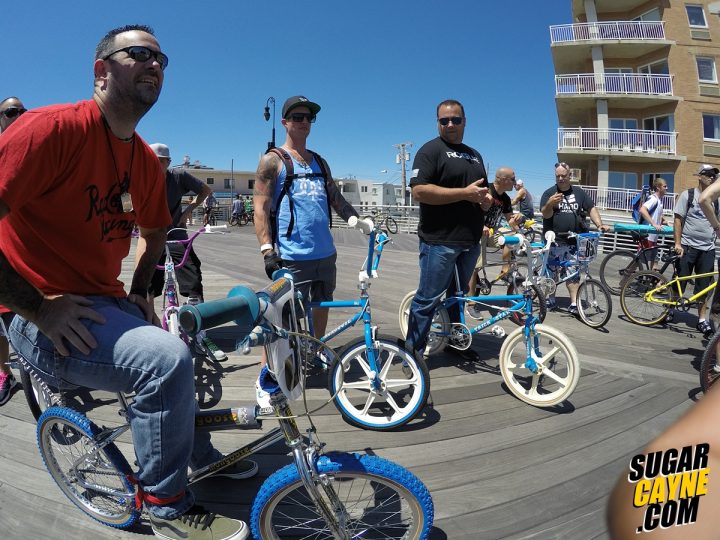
(262, 397)
(207, 346)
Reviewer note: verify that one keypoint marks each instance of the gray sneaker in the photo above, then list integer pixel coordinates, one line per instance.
(205, 345)
(199, 524)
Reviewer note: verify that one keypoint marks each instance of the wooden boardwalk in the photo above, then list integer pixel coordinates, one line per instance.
(496, 467)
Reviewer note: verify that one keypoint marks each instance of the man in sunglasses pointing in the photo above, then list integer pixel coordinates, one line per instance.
(450, 183)
(59, 270)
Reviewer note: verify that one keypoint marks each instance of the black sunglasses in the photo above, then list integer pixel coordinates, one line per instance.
(563, 165)
(299, 117)
(456, 120)
(143, 54)
(12, 112)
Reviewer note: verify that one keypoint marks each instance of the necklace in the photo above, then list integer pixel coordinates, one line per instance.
(123, 185)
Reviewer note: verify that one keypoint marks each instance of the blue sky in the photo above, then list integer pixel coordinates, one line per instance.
(377, 68)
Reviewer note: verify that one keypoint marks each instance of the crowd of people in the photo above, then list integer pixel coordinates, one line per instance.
(87, 162)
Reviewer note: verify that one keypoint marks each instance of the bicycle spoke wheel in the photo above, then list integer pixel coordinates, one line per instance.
(95, 482)
(391, 225)
(439, 330)
(594, 303)
(398, 395)
(709, 368)
(616, 267)
(636, 302)
(557, 368)
(375, 498)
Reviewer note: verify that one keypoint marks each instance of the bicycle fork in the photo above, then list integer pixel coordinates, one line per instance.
(532, 344)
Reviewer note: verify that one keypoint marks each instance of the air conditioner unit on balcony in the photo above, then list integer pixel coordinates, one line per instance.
(575, 175)
(571, 139)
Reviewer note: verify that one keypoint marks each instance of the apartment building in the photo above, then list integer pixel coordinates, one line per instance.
(637, 91)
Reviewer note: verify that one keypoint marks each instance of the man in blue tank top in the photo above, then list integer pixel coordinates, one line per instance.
(298, 237)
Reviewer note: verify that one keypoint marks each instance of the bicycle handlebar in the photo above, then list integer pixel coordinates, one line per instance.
(187, 242)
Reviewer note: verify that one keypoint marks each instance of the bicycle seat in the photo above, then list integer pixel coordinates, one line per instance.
(669, 256)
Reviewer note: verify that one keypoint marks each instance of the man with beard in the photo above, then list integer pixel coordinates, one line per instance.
(59, 270)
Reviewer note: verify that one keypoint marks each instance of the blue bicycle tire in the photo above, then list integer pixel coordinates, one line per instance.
(114, 464)
(379, 477)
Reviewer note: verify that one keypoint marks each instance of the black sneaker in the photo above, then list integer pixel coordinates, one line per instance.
(670, 317)
(706, 328)
(7, 383)
(199, 524)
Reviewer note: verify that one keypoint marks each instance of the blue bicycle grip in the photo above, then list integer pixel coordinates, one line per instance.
(509, 240)
(242, 306)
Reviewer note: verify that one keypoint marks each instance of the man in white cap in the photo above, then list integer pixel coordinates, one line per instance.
(695, 239)
(179, 183)
(523, 200)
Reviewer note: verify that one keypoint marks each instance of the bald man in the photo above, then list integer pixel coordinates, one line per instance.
(501, 207)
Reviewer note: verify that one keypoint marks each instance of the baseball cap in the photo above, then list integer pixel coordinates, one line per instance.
(299, 101)
(707, 170)
(161, 150)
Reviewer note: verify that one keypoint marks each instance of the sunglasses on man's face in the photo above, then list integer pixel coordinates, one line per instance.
(143, 54)
(299, 117)
(12, 112)
(456, 120)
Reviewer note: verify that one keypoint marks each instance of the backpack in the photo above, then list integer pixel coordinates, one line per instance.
(637, 202)
(290, 176)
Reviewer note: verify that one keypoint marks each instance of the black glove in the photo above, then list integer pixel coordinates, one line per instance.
(272, 262)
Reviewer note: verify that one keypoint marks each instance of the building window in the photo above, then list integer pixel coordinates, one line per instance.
(622, 180)
(696, 16)
(669, 178)
(210, 181)
(251, 184)
(363, 189)
(706, 69)
(652, 15)
(228, 185)
(711, 127)
(656, 68)
(658, 123)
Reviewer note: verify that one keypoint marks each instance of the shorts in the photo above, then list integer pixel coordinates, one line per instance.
(696, 261)
(314, 279)
(189, 277)
(491, 241)
(6, 319)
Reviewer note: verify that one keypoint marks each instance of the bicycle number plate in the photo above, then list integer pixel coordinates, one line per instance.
(169, 267)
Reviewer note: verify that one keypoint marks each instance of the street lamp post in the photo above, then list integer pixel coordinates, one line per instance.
(270, 100)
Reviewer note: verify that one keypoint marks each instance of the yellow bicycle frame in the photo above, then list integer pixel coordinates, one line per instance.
(650, 295)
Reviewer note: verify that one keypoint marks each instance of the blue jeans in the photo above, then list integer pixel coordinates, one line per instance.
(437, 275)
(134, 356)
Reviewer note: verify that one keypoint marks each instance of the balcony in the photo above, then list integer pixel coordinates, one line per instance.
(571, 43)
(631, 144)
(576, 93)
(613, 84)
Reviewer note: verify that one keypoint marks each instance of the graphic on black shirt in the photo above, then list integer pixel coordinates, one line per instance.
(501, 205)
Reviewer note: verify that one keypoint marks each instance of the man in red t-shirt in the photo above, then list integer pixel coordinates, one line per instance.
(10, 110)
(74, 180)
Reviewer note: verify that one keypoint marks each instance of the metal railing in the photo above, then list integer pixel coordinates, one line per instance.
(624, 140)
(607, 198)
(613, 83)
(607, 30)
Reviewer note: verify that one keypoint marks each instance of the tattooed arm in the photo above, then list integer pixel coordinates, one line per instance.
(58, 317)
(265, 178)
(343, 208)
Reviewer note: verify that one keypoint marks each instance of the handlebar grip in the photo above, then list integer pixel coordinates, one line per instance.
(213, 228)
(510, 240)
(242, 306)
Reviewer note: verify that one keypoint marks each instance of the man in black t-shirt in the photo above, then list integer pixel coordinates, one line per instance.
(501, 208)
(563, 208)
(450, 183)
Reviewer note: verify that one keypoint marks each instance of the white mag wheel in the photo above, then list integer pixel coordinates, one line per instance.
(439, 330)
(390, 398)
(557, 371)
